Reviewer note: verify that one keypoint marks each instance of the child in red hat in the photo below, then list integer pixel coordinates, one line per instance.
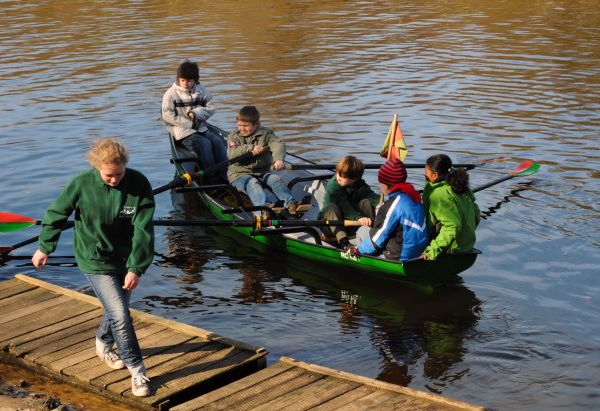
(400, 227)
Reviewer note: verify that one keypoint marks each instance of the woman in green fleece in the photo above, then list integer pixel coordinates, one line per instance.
(114, 245)
(452, 213)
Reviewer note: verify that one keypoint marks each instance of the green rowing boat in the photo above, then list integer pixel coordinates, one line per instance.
(227, 204)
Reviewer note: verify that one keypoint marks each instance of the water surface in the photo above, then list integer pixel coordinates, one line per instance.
(473, 79)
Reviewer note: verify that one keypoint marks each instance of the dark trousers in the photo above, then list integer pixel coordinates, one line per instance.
(333, 212)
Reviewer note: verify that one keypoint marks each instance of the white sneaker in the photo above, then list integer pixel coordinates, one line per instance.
(140, 385)
(111, 359)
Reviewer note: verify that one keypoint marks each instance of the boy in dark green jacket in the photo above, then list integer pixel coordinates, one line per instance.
(348, 197)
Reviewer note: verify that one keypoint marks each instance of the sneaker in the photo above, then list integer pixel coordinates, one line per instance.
(344, 244)
(111, 359)
(140, 385)
(291, 208)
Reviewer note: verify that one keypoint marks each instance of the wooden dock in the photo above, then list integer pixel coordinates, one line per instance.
(295, 385)
(51, 330)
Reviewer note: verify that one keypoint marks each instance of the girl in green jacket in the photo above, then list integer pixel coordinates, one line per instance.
(113, 244)
(452, 213)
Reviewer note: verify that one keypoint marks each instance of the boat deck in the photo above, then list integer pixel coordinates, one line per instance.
(294, 385)
(51, 330)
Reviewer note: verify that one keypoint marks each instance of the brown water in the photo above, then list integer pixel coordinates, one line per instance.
(474, 79)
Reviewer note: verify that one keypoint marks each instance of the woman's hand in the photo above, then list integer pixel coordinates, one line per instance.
(39, 259)
(131, 281)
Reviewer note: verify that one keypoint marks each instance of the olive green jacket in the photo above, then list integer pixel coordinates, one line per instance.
(114, 232)
(258, 165)
(451, 219)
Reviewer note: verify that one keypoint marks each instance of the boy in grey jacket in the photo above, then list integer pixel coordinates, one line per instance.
(186, 106)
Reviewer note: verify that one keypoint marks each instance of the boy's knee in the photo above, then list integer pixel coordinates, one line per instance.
(366, 208)
(332, 212)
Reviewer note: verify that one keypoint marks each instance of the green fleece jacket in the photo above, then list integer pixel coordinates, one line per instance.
(348, 197)
(114, 232)
(258, 165)
(451, 218)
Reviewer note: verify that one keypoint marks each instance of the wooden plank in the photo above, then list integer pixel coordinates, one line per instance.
(33, 309)
(51, 329)
(86, 350)
(60, 349)
(268, 391)
(163, 366)
(310, 395)
(410, 403)
(371, 400)
(105, 375)
(342, 401)
(51, 338)
(32, 296)
(233, 388)
(383, 385)
(175, 325)
(16, 289)
(198, 374)
(9, 283)
(48, 317)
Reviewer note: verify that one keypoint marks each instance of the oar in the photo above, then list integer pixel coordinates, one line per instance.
(257, 223)
(186, 179)
(526, 168)
(6, 220)
(378, 165)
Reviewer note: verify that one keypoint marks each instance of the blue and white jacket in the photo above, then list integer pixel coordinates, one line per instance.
(399, 230)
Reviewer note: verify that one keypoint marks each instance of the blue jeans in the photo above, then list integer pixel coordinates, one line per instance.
(210, 150)
(253, 188)
(116, 325)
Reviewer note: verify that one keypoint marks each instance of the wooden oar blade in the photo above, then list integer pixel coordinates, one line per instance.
(14, 222)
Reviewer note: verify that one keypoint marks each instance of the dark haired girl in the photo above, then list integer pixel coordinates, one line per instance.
(452, 214)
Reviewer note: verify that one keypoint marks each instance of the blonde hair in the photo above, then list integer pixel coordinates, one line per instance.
(107, 151)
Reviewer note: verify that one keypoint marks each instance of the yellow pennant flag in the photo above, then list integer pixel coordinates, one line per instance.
(394, 146)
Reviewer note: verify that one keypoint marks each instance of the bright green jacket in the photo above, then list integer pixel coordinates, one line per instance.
(348, 197)
(451, 218)
(114, 232)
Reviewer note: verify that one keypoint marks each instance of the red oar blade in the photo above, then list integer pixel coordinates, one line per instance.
(14, 222)
(526, 168)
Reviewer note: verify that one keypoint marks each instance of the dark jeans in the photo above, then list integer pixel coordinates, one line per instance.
(333, 212)
(210, 150)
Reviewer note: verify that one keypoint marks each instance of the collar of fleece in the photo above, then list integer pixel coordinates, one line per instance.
(407, 188)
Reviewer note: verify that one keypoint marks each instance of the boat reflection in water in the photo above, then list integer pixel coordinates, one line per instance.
(408, 327)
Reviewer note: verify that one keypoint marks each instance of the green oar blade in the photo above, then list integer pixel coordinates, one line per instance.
(526, 168)
(14, 222)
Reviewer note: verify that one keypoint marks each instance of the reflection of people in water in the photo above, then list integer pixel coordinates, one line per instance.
(407, 325)
(434, 326)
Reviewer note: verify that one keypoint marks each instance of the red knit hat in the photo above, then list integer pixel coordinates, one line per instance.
(392, 172)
